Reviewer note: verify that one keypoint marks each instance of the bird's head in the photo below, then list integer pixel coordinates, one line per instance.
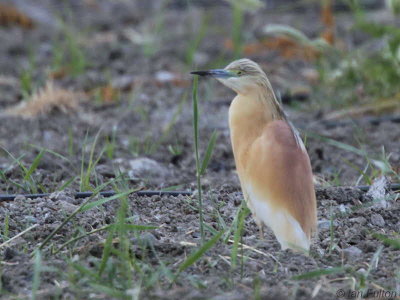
(242, 76)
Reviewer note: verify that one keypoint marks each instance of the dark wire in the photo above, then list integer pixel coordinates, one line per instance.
(393, 187)
(4, 197)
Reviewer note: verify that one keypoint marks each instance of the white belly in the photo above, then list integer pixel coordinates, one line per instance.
(286, 228)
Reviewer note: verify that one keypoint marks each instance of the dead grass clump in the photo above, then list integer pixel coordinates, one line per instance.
(46, 100)
(9, 15)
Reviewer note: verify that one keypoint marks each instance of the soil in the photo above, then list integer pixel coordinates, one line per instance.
(151, 118)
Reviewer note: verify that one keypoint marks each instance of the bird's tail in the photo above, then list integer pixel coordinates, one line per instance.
(290, 234)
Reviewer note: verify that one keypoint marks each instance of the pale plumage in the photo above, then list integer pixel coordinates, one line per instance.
(271, 160)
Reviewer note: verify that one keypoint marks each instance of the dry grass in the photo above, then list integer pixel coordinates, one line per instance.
(9, 15)
(46, 100)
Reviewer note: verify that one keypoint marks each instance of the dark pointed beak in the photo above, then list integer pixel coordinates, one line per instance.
(218, 73)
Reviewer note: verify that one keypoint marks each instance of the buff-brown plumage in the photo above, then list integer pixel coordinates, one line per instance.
(271, 160)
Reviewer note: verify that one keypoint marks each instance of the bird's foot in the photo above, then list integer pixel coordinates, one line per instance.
(261, 230)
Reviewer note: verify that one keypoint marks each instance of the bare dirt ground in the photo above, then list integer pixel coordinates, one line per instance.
(151, 117)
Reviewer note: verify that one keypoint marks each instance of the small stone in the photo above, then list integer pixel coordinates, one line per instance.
(377, 220)
(310, 74)
(254, 266)
(105, 170)
(148, 239)
(352, 252)
(56, 195)
(342, 208)
(124, 82)
(195, 235)
(19, 198)
(146, 168)
(9, 254)
(362, 271)
(164, 76)
(378, 192)
(397, 227)
(324, 224)
(67, 207)
(359, 220)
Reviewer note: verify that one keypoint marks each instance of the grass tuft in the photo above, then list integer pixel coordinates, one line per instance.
(45, 100)
(195, 256)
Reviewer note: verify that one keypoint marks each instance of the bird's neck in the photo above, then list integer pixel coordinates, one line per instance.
(249, 114)
(265, 94)
(256, 108)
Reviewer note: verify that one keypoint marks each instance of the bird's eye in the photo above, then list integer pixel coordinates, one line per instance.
(239, 73)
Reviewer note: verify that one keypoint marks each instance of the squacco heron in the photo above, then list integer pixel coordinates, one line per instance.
(271, 160)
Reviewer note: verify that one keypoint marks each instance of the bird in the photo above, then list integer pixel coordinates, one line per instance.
(271, 160)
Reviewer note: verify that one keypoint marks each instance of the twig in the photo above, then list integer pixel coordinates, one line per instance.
(258, 251)
(18, 235)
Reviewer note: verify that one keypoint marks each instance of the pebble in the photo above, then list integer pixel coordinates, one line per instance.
(352, 252)
(9, 254)
(124, 82)
(324, 224)
(164, 76)
(19, 198)
(67, 207)
(362, 271)
(376, 219)
(359, 220)
(145, 167)
(148, 239)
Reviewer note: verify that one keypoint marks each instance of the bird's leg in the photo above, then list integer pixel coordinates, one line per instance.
(261, 229)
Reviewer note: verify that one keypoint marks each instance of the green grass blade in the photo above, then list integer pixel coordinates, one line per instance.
(127, 227)
(49, 151)
(16, 160)
(91, 164)
(106, 251)
(243, 213)
(84, 271)
(3, 176)
(318, 273)
(194, 43)
(196, 119)
(82, 175)
(34, 165)
(112, 292)
(199, 253)
(134, 227)
(99, 202)
(67, 183)
(374, 261)
(337, 144)
(37, 267)
(395, 243)
(196, 152)
(289, 31)
(209, 151)
(78, 210)
(233, 225)
(6, 228)
(210, 229)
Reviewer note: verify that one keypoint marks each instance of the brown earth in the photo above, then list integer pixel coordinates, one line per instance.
(152, 118)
